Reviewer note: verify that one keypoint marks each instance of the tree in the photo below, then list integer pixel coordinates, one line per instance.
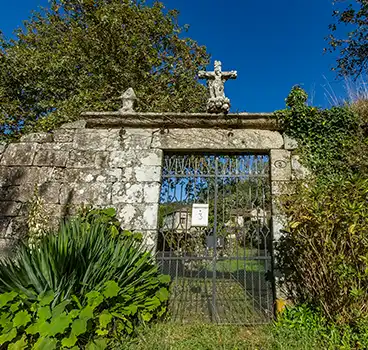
(81, 54)
(353, 58)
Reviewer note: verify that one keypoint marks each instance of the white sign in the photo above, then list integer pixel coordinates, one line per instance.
(200, 215)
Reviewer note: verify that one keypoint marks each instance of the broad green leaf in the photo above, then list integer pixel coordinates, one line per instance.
(105, 318)
(130, 310)
(8, 336)
(111, 289)
(4, 319)
(69, 342)
(15, 307)
(164, 278)
(46, 299)
(6, 297)
(86, 313)
(94, 299)
(59, 309)
(44, 313)
(59, 324)
(22, 318)
(74, 313)
(110, 212)
(162, 294)
(45, 344)
(102, 332)
(146, 316)
(79, 326)
(97, 344)
(19, 345)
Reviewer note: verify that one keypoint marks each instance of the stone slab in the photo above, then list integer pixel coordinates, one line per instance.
(19, 154)
(85, 193)
(97, 140)
(51, 158)
(280, 165)
(218, 139)
(39, 137)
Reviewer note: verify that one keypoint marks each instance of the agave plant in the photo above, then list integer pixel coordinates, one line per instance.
(79, 258)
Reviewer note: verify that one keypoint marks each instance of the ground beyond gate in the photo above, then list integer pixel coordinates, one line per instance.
(220, 264)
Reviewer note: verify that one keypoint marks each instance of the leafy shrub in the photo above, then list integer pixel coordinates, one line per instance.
(308, 322)
(95, 321)
(323, 253)
(79, 258)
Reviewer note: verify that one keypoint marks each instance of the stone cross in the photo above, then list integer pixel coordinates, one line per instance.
(128, 98)
(218, 102)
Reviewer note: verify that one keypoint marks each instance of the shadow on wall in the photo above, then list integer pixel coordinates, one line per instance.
(26, 191)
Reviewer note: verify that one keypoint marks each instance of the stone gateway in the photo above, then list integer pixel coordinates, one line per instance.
(119, 159)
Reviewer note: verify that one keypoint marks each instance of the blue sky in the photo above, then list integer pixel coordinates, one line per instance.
(272, 44)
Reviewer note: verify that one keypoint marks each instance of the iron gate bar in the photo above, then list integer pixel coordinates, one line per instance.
(232, 255)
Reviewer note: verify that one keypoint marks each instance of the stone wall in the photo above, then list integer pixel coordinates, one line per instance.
(118, 166)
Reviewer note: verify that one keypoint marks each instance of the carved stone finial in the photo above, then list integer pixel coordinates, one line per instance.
(218, 102)
(128, 98)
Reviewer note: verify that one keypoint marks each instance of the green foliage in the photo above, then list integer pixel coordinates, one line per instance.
(323, 252)
(80, 55)
(106, 216)
(332, 140)
(98, 320)
(309, 323)
(353, 46)
(81, 257)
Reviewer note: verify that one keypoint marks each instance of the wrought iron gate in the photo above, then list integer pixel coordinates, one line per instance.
(215, 237)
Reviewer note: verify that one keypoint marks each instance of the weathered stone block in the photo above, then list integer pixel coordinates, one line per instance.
(2, 147)
(11, 193)
(218, 139)
(51, 158)
(56, 146)
(151, 157)
(19, 154)
(16, 229)
(88, 159)
(280, 165)
(64, 135)
(299, 171)
(4, 224)
(289, 143)
(9, 208)
(126, 213)
(98, 140)
(127, 193)
(152, 192)
(137, 138)
(94, 193)
(49, 191)
(39, 137)
(146, 173)
(93, 175)
(150, 217)
(7, 247)
(150, 240)
(124, 159)
(79, 124)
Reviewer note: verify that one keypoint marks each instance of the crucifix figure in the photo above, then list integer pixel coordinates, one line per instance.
(217, 103)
